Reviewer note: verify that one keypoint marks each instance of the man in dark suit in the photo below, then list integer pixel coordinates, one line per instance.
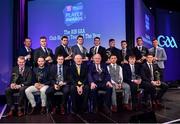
(79, 88)
(60, 82)
(131, 74)
(124, 53)
(80, 49)
(43, 51)
(20, 80)
(112, 50)
(99, 79)
(98, 49)
(40, 83)
(151, 79)
(140, 51)
(27, 52)
(64, 50)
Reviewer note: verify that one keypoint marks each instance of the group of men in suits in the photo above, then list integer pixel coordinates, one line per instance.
(81, 74)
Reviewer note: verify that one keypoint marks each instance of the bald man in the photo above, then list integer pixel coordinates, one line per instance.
(79, 88)
(99, 79)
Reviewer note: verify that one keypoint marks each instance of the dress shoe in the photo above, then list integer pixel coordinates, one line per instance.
(154, 105)
(159, 104)
(53, 111)
(62, 110)
(114, 108)
(10, 113)
(20, 113)
(127, 107)
(106, 110)
(32, 111)
(43, 110)
(95, 110)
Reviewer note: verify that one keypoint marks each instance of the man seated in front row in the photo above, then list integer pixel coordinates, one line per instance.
(20, 80)
(60, 80)
(99, 79)
(41, 83)
(79, 88)
(131, 75)
(151, 79)
(117, 81)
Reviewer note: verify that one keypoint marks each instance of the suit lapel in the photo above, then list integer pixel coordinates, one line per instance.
(148, 69)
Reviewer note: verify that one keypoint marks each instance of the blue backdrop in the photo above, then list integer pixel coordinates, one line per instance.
(54, 18)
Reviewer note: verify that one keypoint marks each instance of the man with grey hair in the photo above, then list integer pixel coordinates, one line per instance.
(79, 88)
(100, 80)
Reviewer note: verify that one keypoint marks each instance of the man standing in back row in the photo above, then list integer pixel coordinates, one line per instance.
(159, 56)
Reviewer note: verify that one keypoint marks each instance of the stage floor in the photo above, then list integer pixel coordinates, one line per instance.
(169, 113)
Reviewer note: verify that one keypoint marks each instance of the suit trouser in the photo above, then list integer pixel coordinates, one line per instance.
(52, 101)
(150, 89)
(161, 71)
(126, 91)
(79, 102)
(29, 93)
(9, 96)
(107, 98)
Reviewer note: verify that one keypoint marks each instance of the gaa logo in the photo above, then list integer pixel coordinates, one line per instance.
(165, 41)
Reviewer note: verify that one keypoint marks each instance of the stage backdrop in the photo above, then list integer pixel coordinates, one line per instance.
(90, 18)
(169, 37)
(167, 28)
(6, 13)
(144, 23)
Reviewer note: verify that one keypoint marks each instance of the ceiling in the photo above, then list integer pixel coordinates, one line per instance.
(171, 5)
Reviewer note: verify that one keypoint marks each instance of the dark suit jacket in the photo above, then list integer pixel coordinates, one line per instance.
(139, 53)
(76, 50)
(127, 75)
(146, 73)
(101, 51)
(128, 52)
(45, 78)
(23, 52)
(61, 51)
(114, 51)
(39, 52)
(66, 74)
(82, 77)
(26, 78)
(93, 75)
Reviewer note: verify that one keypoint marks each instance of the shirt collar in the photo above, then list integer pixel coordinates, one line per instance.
(113, 64)
(149, 63)
(79, 45)
(64, 46)
(43, 47)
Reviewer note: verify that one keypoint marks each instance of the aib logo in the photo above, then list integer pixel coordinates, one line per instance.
(166, 41)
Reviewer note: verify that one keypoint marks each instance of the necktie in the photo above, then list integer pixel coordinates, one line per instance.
(66, 49)
(95, 50)
(98, 68)
(60, 70)
(46, 51)
(28, 50)
(21, 71)
(151, 70)
(78, 70)
(114, 66)
(133, 72)
(124, 53)
(81, 49)
(140, 48)
(154, 51)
